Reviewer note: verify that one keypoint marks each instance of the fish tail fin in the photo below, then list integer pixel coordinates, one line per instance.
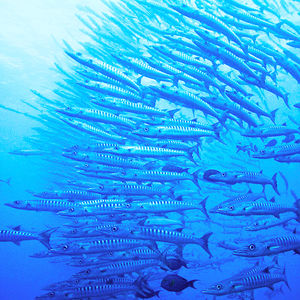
(191, 283)
(45, 237)
(153, 246)
(285, 278)
(286, 99)
(204, 243)
(203, 206)
(297, 205)
(285, 181)
(272, 115)
(195, 178)
(172, 112)
(190, 153)
(274, 184)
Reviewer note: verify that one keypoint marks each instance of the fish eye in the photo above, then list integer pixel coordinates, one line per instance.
(86, 165)
(65, 247)
(219, 286)
(115, 228)
(17, 202)
(101, 186)
(223, 174)
(71, 209)
(117, 147)
(128, 205)
(88, 271)
(74, 153)
(262, 151)
(231, 207)
(252, 247)
(146, 129)
(51, 294)
(74, 231)
(81, 261)
(68, 108)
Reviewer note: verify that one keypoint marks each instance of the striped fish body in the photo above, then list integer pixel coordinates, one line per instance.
(257, 281)
(155, 176)
(17, 236)
(159, 206)
(42, 205)
(145, 151)
(91, 291)
(106, 159)
(125, 105)
(102, 208)
(117, 268)
(70, 195)
(132, 190)
(99, 246)
(95, 131)
(95, 115)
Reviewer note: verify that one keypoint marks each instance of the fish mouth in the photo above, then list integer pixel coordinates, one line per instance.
(64, 213)
(208, 291)
(240, 252)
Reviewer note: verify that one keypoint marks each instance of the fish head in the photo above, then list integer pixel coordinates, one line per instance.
(21, 204)
(220, 288)
(46, 195)
(75, 155)
(86, 273)
(57, 295)
(146, 130)
(75, 232)
(70, 111)
(256, 225)
(75, 212)
(227, 177)
(233, 209)
(66, 248)
(72, 148)
(252, 250)
(264, 153)
(251, 132)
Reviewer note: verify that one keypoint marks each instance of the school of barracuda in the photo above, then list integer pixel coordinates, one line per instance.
(142, 127)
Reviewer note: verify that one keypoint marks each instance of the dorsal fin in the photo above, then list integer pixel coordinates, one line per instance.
(17, 228)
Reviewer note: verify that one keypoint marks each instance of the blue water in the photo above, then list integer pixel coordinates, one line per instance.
(31, 41)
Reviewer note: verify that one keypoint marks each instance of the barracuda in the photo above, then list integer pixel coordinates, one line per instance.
(210, 20)
(95, 131)
(118, 268)
(157, 176)
(279, 151)
(99, 246)
(17, 235)
(270, 246)
(95, 115)
(105, 69)
(138, 108)
(107, 159)
(234, 177)
(158, 234)
(257, 208)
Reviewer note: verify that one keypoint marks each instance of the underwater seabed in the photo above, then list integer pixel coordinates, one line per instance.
(48, 140)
